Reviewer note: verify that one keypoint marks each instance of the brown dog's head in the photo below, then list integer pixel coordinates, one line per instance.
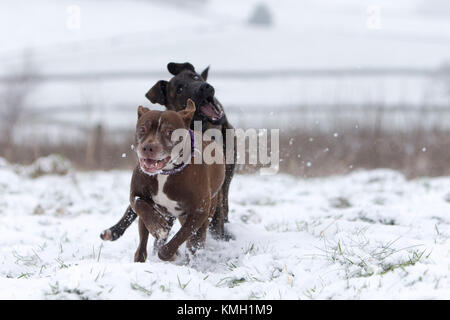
(154, 135)
(187, 84)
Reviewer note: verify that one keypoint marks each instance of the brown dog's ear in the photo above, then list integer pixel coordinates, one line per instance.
(188, 112)
(158, 93)
(205, 73)
(176, 68)
(142, 110)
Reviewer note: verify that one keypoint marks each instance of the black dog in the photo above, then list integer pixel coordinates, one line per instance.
(188, 84)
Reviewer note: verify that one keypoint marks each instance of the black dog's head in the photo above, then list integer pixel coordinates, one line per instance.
(187, 84)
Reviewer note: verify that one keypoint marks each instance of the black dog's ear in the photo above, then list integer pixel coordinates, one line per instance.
(158, 93)
(205, 73)
(176, 68)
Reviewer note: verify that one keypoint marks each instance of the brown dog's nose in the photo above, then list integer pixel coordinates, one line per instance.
(147, 148)
(150, 149)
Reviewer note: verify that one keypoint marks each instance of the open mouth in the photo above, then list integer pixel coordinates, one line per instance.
(151, 165)
(211, 110)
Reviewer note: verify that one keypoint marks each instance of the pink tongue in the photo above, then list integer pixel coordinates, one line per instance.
(208, 110)
(152, 165)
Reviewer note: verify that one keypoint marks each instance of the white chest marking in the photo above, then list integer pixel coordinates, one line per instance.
(161, 199)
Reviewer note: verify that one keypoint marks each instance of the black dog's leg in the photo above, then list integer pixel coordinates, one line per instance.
(229, 172)
(220, 216)
(217, 222)
(116, 231)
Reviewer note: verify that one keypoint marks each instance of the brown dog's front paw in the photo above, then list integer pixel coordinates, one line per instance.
(166, 254)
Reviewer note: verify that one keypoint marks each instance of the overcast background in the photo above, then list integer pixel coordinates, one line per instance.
(67, 67)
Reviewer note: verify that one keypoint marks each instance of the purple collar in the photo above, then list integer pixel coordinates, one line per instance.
(183, 165)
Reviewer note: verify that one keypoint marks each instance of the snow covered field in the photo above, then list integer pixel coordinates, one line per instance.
(370, 234)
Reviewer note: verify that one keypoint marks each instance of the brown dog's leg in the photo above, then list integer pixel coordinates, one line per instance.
(150, 221)
(158, 243)
(141, 252)
(192, 223)
(197, 240)
(156, 224)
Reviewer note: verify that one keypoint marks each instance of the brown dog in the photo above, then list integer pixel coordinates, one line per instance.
(165, 186)
(185, 84)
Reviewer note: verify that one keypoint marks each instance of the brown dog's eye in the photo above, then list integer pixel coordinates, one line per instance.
(179, 89)
(142, 130)
(169, 132)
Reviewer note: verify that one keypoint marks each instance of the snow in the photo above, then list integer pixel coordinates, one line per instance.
(366, 235)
